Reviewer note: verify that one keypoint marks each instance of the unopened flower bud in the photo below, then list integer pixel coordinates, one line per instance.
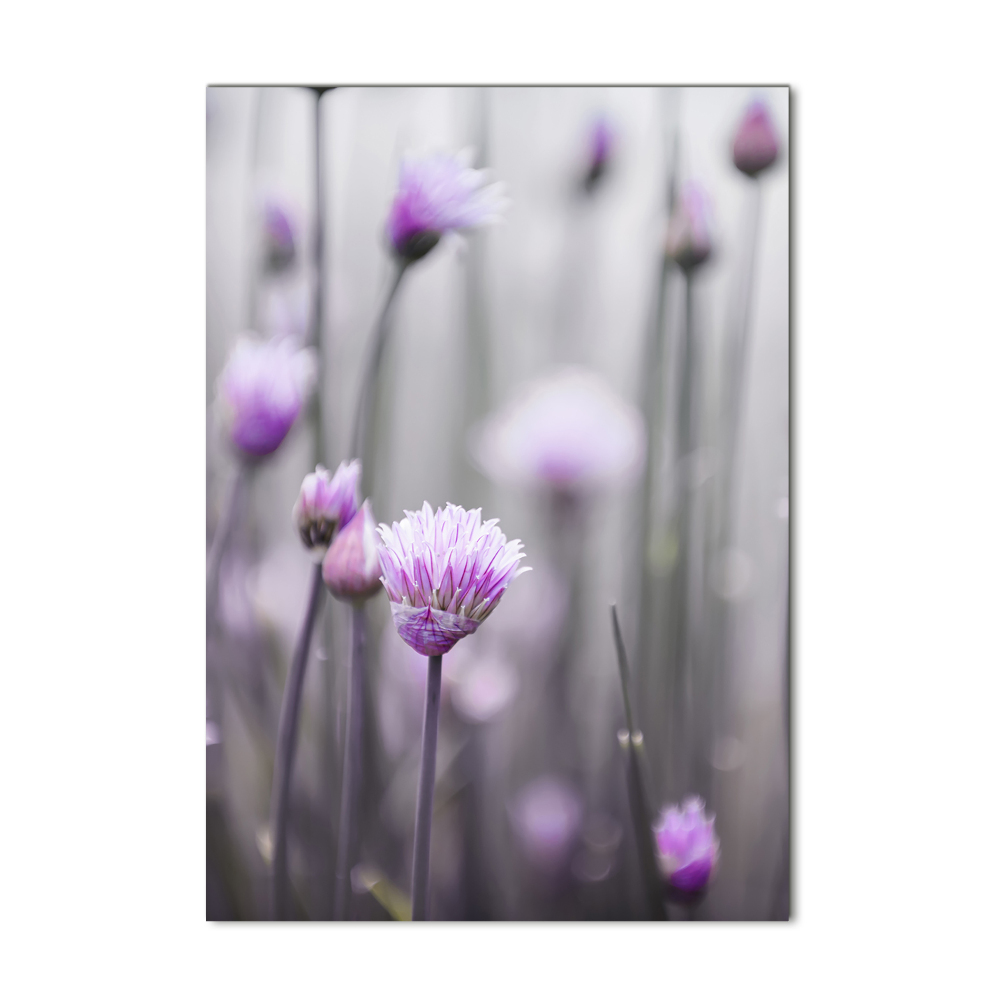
(326, 504)
(279, 236)
(755, 146)
(351, 568)
(689, 242)
(687, 848)
(601, 145)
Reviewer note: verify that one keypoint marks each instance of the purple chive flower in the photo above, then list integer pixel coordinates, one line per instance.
(325, 504)
(568, 432)
(601, 146)
(437, 194)
(351, 568)
(279, 236)
(755, 146)
(262, 390)
(546, 816)
(687, 848)
(444, 574)
(689, 241)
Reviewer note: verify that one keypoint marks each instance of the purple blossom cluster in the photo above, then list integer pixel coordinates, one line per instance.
(445, 572)
(325, 504)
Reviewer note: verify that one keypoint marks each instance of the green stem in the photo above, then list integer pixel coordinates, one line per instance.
(425, 790)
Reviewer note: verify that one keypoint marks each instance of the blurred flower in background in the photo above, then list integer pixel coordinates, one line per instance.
(279, 235)
(602, 140)
(546, 816)
(437, 194)
(688, 850)
(689, 241)
(568, 432)
(755, 146)
(261, 393)
(444, 573)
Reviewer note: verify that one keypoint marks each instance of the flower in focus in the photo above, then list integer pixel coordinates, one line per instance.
(569, 432)
(325, 504)
(601, 145)
(546, 817)
(444, 574)
(687, 849)
(689, 242)
(279, 236)
(262, 390)
(439, 193)
(755, 146)
(351, 568)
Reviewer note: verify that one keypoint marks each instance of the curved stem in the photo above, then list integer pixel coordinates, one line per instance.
(366, 392)
(284, 756)
(425, 790)
(221, 539)
(352, 761)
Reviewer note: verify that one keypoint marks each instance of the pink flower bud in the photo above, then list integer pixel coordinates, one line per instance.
(755, 146)
(351, 568)
(689, 242)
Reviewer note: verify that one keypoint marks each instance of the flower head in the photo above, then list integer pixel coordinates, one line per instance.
(351, 568)
(601, 145)
(444, 573)
(262, 389)
(437, 194)
(325, 504)
(687, 848)
(689, 242)
(279, 236)
(568, 432)
(755, 146)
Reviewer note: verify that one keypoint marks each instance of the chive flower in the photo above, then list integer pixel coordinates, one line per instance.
(755, 146)
(601, 147)
(351, 568)
(279, 236)
(325, 504)
(437, 194)
(687, 848)
(444, 573)
(689, 241)
(262, 391)
(569, 432)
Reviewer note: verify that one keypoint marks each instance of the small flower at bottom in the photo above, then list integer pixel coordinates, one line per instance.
(444, 574)
(438, 194)
(326, 504)
(351, 568)
(686, 845)
(262, 390)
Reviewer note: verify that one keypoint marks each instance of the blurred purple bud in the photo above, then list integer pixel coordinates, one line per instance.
(687, 849)
(601, 146)
(262, 390)
(546, 817)
(755, 146)
(483, 686)
(437, 194)
(569, 432)
(279, 236)
(444, 574)
(689, 242)
(351, 568)
(325, 504)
